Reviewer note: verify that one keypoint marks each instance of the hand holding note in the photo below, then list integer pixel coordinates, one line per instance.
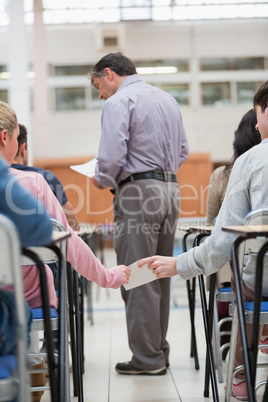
(139, 276)
(88, 168)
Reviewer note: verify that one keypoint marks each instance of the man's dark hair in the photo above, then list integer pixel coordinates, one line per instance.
(22, 138)
(261, 96)
(117, 62)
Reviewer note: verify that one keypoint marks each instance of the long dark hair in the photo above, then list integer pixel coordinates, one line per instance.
(245, 137)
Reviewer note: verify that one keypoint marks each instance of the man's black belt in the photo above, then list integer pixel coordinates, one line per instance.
(156, 175)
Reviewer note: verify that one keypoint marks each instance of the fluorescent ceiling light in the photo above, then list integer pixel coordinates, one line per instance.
(157, 70)
(5, 75)
(30, 74)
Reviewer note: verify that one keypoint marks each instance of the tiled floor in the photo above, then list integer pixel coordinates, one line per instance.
(106, 344)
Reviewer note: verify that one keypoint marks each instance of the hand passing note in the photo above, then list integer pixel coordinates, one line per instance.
(162, 267)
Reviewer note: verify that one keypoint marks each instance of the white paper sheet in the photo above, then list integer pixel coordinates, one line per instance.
(88, 168)
(139, 276)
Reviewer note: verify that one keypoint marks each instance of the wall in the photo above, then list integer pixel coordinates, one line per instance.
(95, 206)
(209, 129)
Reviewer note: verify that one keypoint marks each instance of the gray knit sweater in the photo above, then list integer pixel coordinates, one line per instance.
(247, 190)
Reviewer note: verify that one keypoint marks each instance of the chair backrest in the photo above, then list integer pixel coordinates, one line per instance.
(47, 256)
(9, 250)
(255, 217)
(11, 274)
(57, 225)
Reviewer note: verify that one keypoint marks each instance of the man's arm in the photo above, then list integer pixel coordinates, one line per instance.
(113, 144)
(184, 145)
(27, 213)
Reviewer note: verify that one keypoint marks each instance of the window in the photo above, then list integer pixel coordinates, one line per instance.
(70, 98)
(216, 94)
(71, 70)
(179, 91)
(4, 73)
(246, 91)
(253, 63)
(96, 102)
(161, 66)
(4, 95)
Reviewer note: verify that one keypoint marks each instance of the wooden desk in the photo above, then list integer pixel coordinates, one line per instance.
(250, 353)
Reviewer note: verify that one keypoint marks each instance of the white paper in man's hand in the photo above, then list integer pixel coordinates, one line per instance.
(139, 276)
(88, 168)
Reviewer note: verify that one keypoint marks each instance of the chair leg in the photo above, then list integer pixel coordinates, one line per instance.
(79, 350)
(265, 396)
(230, 368)
(208, 325)
(217, 350)
(191, 300)
(72, 328)
(89, 301)
(81, 312)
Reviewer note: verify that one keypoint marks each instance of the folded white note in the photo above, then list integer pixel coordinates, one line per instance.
(88, 168)
(139, 276)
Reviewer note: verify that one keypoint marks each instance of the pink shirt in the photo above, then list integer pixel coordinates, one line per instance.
(79, 254)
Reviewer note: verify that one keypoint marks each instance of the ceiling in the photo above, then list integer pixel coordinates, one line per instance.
(111, 11)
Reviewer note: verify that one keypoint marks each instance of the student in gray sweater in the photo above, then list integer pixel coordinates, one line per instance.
(247, 190)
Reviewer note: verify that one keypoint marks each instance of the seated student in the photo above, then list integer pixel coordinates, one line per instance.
(247, 190)
(246, 136)
(17, 204)
(21, 162)
(34, 228)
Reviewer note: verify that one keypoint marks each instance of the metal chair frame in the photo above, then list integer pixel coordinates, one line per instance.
(223, 296)
(251, 246)
(60, 391)
(16, 386)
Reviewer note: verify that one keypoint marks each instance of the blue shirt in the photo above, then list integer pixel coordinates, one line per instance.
(142, 130)
(27, 213)
(51, 179)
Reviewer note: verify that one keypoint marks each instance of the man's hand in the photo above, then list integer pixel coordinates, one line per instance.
(162, 267)
(96, 184)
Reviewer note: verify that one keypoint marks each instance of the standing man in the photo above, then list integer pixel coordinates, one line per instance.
(143, 143)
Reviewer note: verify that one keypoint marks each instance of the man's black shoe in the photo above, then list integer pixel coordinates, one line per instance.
(128, 368)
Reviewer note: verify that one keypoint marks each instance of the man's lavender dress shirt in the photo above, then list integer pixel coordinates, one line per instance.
(142, 130)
